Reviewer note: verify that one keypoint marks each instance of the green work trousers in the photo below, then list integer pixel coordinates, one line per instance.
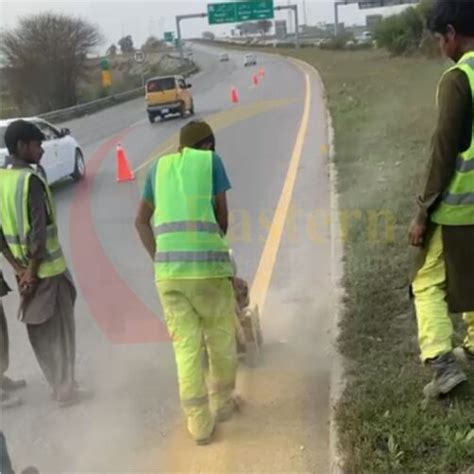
(435, 328)
(201, 312)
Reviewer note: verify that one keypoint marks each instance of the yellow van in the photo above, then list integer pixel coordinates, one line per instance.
(168, 95)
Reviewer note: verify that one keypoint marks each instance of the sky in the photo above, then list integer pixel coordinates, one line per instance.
(152, 17)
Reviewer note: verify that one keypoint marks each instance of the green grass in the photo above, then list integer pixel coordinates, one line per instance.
(383, 111)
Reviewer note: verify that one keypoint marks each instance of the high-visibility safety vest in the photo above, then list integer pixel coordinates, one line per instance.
(189, 241)
(16, 226)
(457, 205)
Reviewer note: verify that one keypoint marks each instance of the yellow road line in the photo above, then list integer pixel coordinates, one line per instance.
(156, 153)
(266, 266)
(219, 121)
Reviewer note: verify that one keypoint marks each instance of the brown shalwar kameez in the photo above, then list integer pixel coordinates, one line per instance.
(3, 343)
(49, 311)
(4, 361)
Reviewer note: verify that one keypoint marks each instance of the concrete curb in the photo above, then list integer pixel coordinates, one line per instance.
(338, 382)
(337, 379)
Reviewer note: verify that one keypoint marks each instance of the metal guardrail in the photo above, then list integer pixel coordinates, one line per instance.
(87, 108)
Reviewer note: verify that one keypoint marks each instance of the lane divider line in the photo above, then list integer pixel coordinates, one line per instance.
(220, 121)
(155, 154)
(263, 276)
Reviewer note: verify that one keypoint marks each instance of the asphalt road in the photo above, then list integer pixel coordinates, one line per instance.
(274, 147)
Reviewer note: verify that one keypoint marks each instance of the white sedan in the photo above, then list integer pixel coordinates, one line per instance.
(62, 157)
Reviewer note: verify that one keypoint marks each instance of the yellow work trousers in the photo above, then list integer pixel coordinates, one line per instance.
(435, 328)
(197, 312)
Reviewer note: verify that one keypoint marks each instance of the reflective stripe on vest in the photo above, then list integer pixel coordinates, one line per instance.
(167, 257)
(464, 166)
(457, 205)
(459, 199)
(16, 226)
(187, 226)
(189, 241)
(51, 232)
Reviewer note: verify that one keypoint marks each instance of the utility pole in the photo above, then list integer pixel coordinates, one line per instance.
(297, 25)
(288, 19)
(179, 18)
(337, 3)
(161, 27)
(305, 13)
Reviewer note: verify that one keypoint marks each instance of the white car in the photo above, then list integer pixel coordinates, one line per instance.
(62, 156)
(224, 57)
(365, 37)
(250, 60)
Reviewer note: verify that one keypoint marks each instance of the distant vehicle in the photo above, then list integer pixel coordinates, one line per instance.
(224, 57)
(365, 37)
(168, 95)
(63, 156)
(250, 60)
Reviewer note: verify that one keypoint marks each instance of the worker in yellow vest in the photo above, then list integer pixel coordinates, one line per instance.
(444, 224)
(29, 231)
(182, 220)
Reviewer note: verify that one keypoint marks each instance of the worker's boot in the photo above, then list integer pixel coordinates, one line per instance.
(7, 401)
(226, 412)
(208, 439)
(447, 375)
(9, 385)
(463, 354)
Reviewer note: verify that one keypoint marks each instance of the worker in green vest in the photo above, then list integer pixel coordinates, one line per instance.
(29, 231)
(182, 220)
(444, 225)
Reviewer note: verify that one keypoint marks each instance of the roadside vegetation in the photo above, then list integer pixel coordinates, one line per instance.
(383, 110)
(50, 61)
(405, 33)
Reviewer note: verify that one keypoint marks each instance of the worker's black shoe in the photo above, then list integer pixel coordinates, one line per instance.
(463, 354)
(225, 413)
(30, 470)
(10, 385)
(7, 401)
(447, 375)
(208, 439)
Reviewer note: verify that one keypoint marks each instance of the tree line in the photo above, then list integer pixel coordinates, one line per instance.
(46, 56)
(406, 33)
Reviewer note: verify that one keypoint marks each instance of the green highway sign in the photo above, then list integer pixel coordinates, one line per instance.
(218, 13)
(256, 10)
(169, 36)
(233, 12)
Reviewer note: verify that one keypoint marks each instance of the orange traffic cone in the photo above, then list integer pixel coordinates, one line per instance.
(255, 80)
(124, 172)
(261, 72)
(234, 95)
